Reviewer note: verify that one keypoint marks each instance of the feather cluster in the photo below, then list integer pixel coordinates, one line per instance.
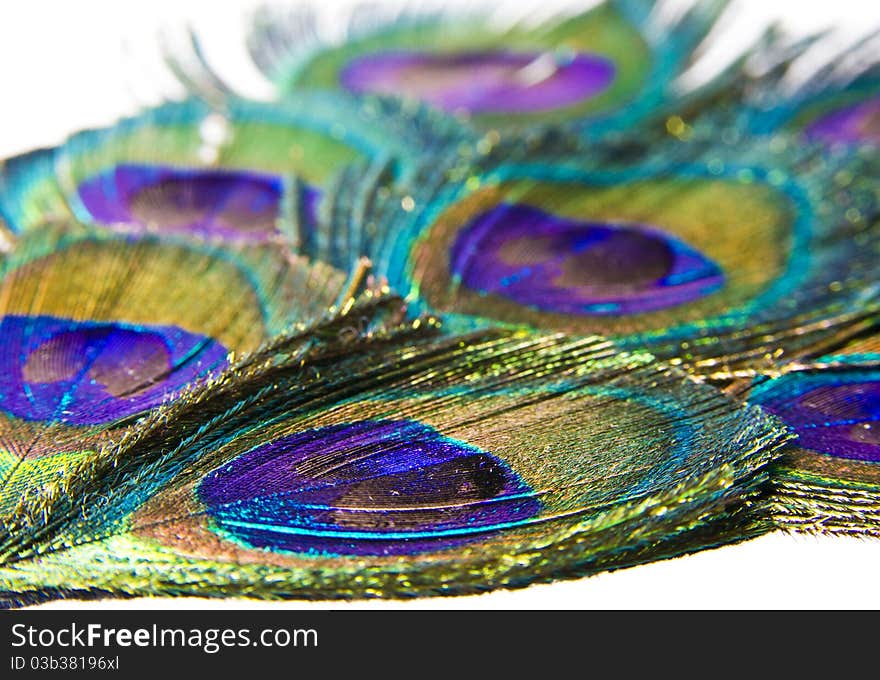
(465, 306)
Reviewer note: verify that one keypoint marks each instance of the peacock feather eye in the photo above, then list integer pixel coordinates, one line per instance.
(589, 65)
(623, 259)
(555, 264)
(370, 487)
(489, 82)
(208, 203)
(87, 373)
(833, 413)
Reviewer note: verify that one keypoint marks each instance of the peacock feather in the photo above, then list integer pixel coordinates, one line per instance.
(726, 254)
(410, 464)
(235, 171)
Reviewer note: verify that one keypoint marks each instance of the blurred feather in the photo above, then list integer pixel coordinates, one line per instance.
(837, 104)
(240, 171)
(606, 69)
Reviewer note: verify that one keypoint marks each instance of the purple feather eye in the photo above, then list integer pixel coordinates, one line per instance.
(839, 420)
(86, 373)
(852, 124)
(482, 82)
(237, 205)
(556, 264)
(374, 487)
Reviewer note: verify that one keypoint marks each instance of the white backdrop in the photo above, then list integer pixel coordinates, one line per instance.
(67, 65)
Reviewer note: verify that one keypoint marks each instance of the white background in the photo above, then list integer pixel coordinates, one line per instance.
(67, 65)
